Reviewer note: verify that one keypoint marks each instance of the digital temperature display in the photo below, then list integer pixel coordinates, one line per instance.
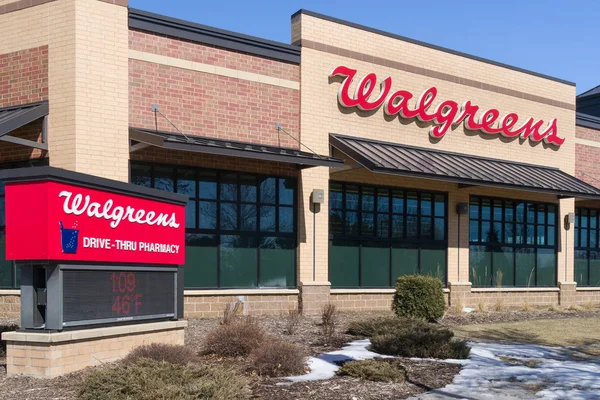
(104, 296)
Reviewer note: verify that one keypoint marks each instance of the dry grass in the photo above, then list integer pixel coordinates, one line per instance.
(458, 307)
(499, 306)
(526, 307)
(481, 306)
(589, 306)
(551, 332)
(379, 370)
(574, 308)
(556, 308)
(531, 363)
(231, 311)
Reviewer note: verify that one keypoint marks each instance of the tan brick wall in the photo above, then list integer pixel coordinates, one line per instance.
(321, 115)
(53, 359)
(205, 306)
(366, 302)
(10, 306)
(511, 300)
(87, 44)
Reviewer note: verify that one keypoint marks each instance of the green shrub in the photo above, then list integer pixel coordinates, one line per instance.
(162, 352)
(419, 296)
(380, 370)
(380, 325)
(237, 338)
(422, 341)
(278, 358)
(159, 380)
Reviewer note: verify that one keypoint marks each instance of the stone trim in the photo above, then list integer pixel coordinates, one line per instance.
(587, 142)
(68, 336)
(212, 69)
(23, 4)
(315, 283)
(516, 289)
(10, 292)
(240, 292)
(363, 291)
(588, 289)
(309, 44)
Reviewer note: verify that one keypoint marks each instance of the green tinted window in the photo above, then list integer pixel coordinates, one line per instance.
(343, 263)
(587, 247)
(513, 243)
(240, 228)
(393, 232)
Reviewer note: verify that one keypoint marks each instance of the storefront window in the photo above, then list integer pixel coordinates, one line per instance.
(9, 272)
(512, 243)
(240, 228)
(587, 247)
(378, 234)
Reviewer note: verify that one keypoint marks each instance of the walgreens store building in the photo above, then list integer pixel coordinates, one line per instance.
(318, 171)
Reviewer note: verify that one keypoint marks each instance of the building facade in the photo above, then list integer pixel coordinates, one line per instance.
(429, 161)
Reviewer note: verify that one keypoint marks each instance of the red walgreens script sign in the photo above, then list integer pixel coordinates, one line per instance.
(47, 220)
(446, 114)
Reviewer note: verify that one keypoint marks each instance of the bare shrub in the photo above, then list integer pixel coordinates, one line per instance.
(458, 306)
(150, 380)
(162, 352)
(328, 321)
(526, 307)
(238, 338)
(379, 370)
(292, 321)
(278, 358)
(232, 310)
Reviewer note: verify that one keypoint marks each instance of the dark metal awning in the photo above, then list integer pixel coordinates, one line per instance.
(200, 144)
(14, 117)
(464, 169)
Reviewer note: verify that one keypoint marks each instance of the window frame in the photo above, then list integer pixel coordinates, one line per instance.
(218, 232)
(588, 248)
(514, 245)
(417, 243)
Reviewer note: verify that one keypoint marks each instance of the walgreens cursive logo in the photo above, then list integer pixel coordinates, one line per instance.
(79, 205)
(446, 114)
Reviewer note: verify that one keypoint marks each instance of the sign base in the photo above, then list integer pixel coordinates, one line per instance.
(47, 355)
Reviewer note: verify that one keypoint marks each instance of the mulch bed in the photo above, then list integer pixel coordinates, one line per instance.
(424, 375)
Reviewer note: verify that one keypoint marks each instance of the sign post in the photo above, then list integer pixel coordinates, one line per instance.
(94, 254)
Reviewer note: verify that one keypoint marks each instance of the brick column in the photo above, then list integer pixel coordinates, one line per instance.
(568, 293)
(313, 297)
(459, 293)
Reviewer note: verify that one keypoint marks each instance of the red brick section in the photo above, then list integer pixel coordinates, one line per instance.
(24, 76)
(587, 133)
(587, 164)
(14, 152)
(214, 162)
(211, 105)
(190, 51)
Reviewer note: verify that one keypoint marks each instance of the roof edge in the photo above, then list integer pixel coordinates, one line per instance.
(181, 29)
(587, 120)
(337, 135)
(428, 45)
